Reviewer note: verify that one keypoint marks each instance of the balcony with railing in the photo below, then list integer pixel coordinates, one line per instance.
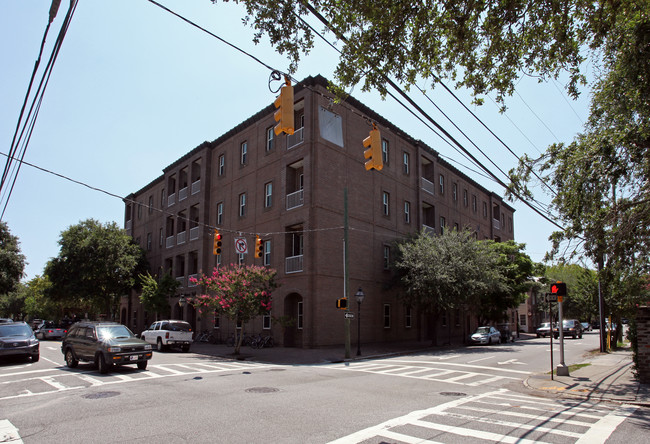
(191, 280)
(169, 242)
(194, 233)
(293, 264)
(181, 237)
(129, 226)
(171, 199)
(181, 280)
(196, 187)
(295, 139)
(496, 224)
(431, 231)
(295, 199)
(428, 186)
(182, 194)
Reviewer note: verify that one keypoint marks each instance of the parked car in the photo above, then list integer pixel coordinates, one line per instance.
(485, 335)
(169, 333)
(5, 320)
(586, 326)
(106, 344)
(50, 330)
(570, 327)
(17, 339)
(544, 330)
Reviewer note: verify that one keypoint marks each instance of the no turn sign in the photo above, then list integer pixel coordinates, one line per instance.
(241, 246)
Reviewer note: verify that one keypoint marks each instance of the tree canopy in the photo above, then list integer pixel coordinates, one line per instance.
(240, 293)
(156, 293)
(97, 263)
(12, 261)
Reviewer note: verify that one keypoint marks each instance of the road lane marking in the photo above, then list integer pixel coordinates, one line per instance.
(599, 432)
(482, 359)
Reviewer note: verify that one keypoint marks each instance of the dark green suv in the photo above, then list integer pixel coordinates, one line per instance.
(106, 344)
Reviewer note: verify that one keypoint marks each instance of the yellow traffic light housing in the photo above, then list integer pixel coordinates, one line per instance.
(342, 304)
(216, 248)
(373, 153)
(259, 247)
(284, 114)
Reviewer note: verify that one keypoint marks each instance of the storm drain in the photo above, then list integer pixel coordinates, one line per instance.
(100, 395)
(453, 394)
(262, 390)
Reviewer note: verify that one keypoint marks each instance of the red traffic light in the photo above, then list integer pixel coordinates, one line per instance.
(558, 289)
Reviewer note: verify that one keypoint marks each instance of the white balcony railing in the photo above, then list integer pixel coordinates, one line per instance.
(293, 264)
(295, 139)
(182, 194)
(181, 280)
(171, 199)
(169, 242)
(496, 224)
(196, 187)
(428, 186)
(429, 229)
(181, 237)
(295, 199)
(194, 233)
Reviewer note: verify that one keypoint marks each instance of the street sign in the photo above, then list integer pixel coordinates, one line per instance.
(349, 316)
(551, 297)
(241, 246)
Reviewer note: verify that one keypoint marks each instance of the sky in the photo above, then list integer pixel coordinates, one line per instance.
(134, 88)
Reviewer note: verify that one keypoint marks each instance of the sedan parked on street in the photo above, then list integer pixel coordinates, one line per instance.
(544, 330)
(485, 335)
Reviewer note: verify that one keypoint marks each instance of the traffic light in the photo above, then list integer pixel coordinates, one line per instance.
(259, 247)
(374, 152)
(216, 248)
(284, 114)
(342, 303)
(558, 289)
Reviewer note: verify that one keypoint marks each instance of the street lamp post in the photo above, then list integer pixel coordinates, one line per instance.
(359, 295)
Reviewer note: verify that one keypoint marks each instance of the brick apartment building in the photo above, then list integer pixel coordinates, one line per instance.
(289, 190)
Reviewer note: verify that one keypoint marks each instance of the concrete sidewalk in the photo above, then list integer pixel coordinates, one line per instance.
(605, 377)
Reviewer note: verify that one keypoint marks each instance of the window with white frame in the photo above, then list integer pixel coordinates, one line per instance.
(407, 212)
(162, 198)
(150, 204)
(269, 139)
(441, 180)
(384, 151)
(299, 320)
(408, 318)
(149, 241)
(465, 198)
(485, 212)
(386, 257)
(267, 252)
(268, 195)
(385, 203)
(454, 192)
(386, 315)
(242, 204)
(474, 204)
(266, 321)
(219, 213)
(443, 224)
(406, 163)
(222, 165)
(243, 158)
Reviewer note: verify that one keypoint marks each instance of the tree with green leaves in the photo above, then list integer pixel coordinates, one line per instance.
(240, 293)
(445, 272)
(515, 269)
(96, 265)
(12, 261)
(156, 293)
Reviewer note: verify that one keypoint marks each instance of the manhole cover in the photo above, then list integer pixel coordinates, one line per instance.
(100, 395)
(453, 394)
(262, 390)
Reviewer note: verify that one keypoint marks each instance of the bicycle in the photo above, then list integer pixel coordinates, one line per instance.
(206, 336)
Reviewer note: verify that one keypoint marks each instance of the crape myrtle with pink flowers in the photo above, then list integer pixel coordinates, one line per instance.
(240, 293)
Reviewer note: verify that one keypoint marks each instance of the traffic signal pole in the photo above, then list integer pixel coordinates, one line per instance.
(346, 277)
(562, 369)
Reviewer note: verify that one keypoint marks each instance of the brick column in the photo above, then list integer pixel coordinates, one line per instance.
(643, 335)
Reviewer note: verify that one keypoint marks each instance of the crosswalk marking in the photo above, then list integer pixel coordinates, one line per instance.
(513, 418)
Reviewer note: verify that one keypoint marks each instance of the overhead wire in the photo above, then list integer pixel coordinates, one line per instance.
(30, 120)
